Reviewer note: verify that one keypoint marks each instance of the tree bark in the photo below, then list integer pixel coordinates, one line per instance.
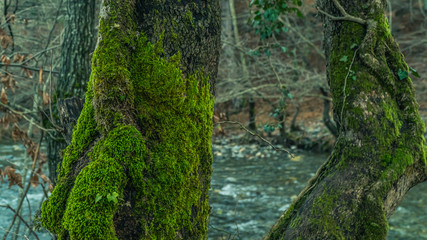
(139, 164)
(380, 153)
(332, 127)
(77, 47)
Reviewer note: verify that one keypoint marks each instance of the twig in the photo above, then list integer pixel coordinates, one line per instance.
(22, 219)
(26, 118)
(33, 168)
(346, 16)
(345, 86)
(27, 67)
(40, 53)
(257, 135)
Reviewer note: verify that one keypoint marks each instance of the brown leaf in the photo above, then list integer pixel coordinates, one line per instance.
(1, 176)
(10, 18)
(8, 118)
(46, 98)
(34, 180)
(8, 170)
(18, 58)
(9, 82)
(44, 178)
(17, 180)
(28, 73)
(3, 96)
(41, 76)
(5, 59)
(5, 41)
(14, 178)
(16, 132)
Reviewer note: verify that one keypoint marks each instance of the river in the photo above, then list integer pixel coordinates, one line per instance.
(251, 187)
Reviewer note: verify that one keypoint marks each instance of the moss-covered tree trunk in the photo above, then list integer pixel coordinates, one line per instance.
(78, 44)
(379, 154)
(139, 164)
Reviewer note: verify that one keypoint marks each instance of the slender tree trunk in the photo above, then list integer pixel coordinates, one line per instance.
(77, 47)
(379, 154)
(139, 164)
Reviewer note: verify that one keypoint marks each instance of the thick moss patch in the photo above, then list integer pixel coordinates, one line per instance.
(145, 128)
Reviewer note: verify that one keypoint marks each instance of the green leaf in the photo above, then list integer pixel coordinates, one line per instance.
(343, 59)
(252, 3)
(414, 72)
(290, 96)
(284, 49)
(253, 53)
(354, 78)
(268, 128)
(98, 197)
(268, 53)
(300, 14)
(353, 45)
(122, 97)
(402, 74)
(112, 197)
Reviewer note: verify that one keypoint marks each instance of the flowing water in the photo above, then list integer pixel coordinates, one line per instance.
(251, 187)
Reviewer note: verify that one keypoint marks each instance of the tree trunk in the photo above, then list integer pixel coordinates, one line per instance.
(379, 154)
(79, 43)
(139, 164)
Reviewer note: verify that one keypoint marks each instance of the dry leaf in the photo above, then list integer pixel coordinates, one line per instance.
(14, 178)
(41, 76)
(8, 118)
(46, 98)
(44, 178)
(5, 41)
(10, 18)
(1, 176)
(34, 180)
(18, 58)
(3, 96)
(28, 73)
(9, 82)
(5, 59)
(16, 133)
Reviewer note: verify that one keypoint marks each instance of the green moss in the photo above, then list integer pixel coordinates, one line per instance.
(295, 222)
(83, 134)
(189, 17)
(322, 214)
(122, 149)
(152, 127)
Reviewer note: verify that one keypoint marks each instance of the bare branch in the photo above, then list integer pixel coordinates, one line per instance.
(257, 135)
(346, 16)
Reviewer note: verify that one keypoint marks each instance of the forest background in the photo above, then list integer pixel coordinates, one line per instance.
(274, 88)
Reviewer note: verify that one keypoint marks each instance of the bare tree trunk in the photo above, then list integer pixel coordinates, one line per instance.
(379, 154)
(139, 164)
(79, 42)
